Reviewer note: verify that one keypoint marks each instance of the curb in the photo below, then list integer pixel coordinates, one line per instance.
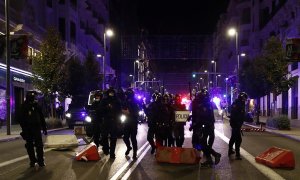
(277, 133)
(19, 136)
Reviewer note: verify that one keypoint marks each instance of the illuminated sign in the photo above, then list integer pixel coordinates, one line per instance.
(181, 116)
(19, 79)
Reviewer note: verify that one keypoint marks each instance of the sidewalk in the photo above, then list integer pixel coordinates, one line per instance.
(15, 132)
(294, 133)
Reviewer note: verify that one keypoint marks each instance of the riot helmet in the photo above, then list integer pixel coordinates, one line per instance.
(98, 95)
(129, 93)
(111, 92)
(177, 99)
(242, 96)
(31, 96)
(166, 98)
(204, 95)
(156, 96)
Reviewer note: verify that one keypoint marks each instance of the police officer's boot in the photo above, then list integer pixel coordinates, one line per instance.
(238, 155)
(113, 142)
(207, 164)
(128, 150)
(31, 154)
(40, 155)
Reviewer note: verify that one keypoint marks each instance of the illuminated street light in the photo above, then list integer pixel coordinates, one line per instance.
(233, 32)
(108, 33)
(214, 62)
(243, 54)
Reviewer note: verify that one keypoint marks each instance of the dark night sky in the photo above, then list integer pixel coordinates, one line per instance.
(180, 17)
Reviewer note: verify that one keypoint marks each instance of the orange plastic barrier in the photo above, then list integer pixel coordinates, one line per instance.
(277, 158)
(177, 155)
(89, 153)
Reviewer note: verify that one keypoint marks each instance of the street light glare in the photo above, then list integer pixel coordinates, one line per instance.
(109, 33)
(99, 55)
(243, 54)
(231, 32)
(212, 61)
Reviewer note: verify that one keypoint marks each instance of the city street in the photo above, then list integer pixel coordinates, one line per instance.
(60, 164)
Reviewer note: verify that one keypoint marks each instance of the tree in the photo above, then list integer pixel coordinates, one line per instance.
(92, 73)
(48, 66)
(75, 78)
(252, 79)
(268, 72)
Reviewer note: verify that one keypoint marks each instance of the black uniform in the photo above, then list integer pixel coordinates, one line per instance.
(110, 110)
(178, 127)
(96, 120)
(203, 126)
(131, 110)
(165, 121)
(152, 112)
(32, 121)
(237, 118)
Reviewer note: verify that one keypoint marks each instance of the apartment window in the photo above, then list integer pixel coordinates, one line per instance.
(49, 3)
(61, 2)
(73, 32)
(246, 16)
(62, 28)
(263, 17)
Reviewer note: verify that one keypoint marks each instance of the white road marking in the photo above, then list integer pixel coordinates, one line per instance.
(128, 173)
(17, 159)
(122, 169)
(268, 172)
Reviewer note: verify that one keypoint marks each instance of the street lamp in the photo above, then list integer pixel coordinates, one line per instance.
(202, 82)
(233, 32)
(205, 71)
(219, 75)
(214, 62)
(108, 33)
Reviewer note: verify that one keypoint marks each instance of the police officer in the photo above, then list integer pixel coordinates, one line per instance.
(131, 110)
(165, 122)
(178, 127)
(32, 121)
(96, 119)
(110, 110)
(152, 112)
(203, 122)
(237, 118)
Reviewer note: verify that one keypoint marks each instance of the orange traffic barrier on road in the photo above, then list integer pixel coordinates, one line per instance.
(277, 158)
(177, 155)
(89, 153)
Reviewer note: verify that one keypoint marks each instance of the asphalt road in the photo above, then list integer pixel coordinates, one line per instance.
(60, 164)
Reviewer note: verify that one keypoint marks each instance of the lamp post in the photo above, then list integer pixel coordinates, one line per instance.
(108, 33)
(214, 62)
(205, 71)
(219, 75)
(233, 32)
(202, 82)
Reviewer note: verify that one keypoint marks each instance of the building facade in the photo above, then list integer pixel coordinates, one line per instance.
(81, 25)
(255, 21)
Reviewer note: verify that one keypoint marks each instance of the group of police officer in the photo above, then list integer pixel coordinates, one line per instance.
(108, 108)
(161, 121)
